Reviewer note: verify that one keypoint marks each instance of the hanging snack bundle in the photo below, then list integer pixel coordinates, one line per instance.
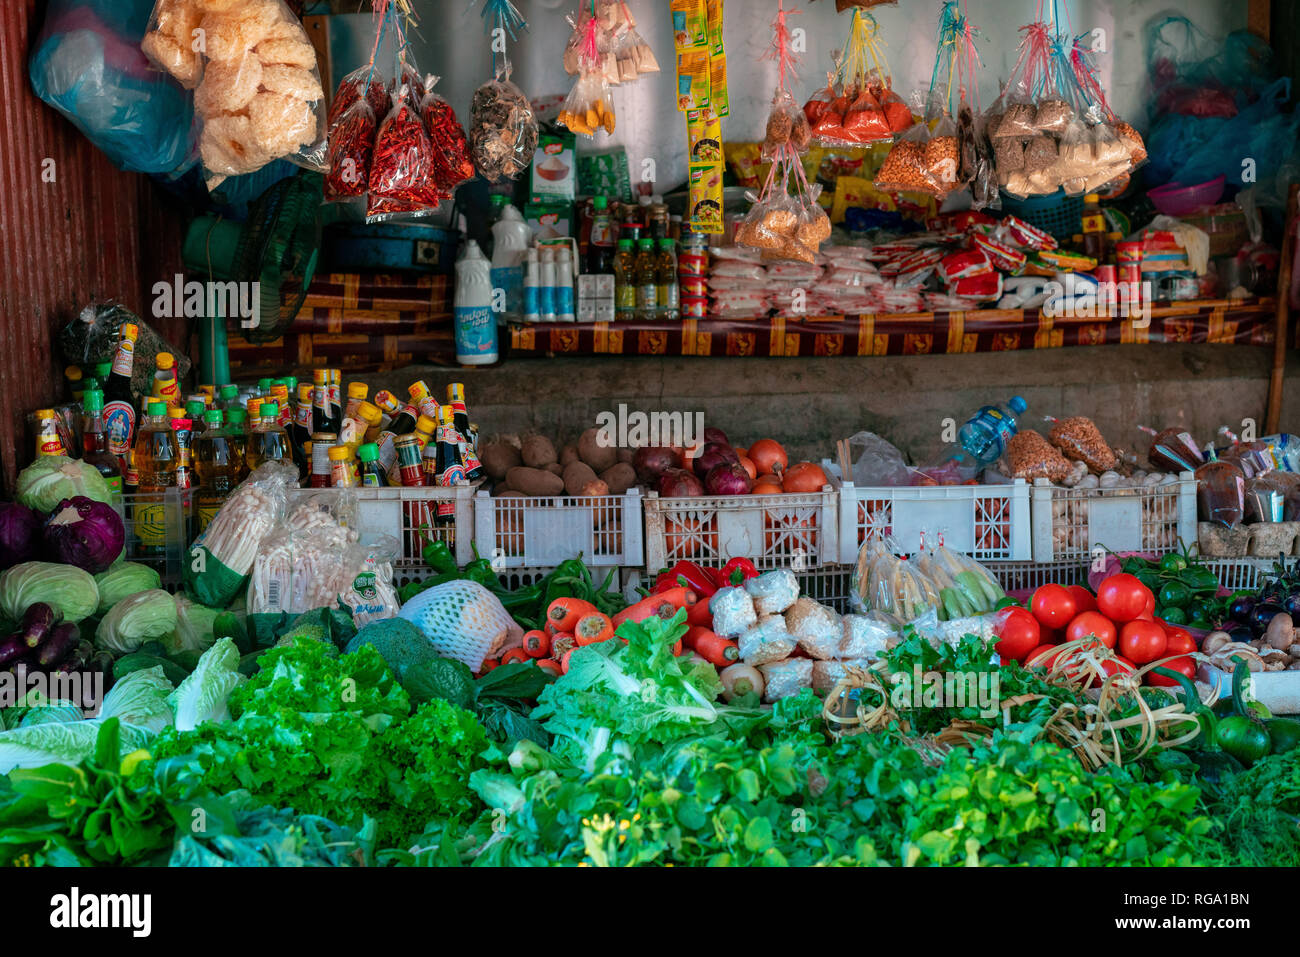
(403, 170)
(624, 53)
(588, 106)
(503, 130)
(258, 96)
(452, 165)
(925, 159)
(858, 104)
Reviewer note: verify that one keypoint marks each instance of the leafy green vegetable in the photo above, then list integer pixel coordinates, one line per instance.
(123, 580)
(52, 478)
(402, 645)
(67, 589)
(147, 615)
(204, 695)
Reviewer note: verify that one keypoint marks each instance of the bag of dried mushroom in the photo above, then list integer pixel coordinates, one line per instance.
(503, 130)
(257, 90)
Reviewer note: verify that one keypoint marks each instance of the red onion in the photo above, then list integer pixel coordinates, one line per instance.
(728, 478)
(715, 437)
(650, 463)
(679, 483)
(712, 455)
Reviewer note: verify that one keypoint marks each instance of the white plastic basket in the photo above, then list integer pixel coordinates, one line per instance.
(1021, 578)
(1241, 574)
(828, 584)
(159, 529)
(404, 514)
(987, 522)
(542, 532)
(1279, 691)
(796, 531)
(1069, 522)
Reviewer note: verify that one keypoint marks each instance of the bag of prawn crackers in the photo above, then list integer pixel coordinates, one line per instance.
(257, 89)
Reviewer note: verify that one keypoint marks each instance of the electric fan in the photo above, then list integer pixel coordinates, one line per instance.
(277, 248)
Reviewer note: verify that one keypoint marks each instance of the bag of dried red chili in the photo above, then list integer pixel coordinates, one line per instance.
(364, 82)
(352, 145)
(450, 144)
(403, 175)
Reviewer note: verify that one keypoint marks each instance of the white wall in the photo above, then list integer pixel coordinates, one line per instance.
(450, 41)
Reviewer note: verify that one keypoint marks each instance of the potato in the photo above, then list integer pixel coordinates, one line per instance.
(555, 468)
(499, 457)
(536, 482)
(627, 455)
(619, 478)
(599, 457)
(538, 452)
(569, 456)
(596, 488)
(576, 475)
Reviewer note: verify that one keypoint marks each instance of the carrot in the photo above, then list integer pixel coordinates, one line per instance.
(564, 662)
(663, 605)
(537, 644)
(550, 629)
(593, 629)
(692, 633)
(562, 644)
(699, 615)
(513, 655)
(488, 665)
(718, 652)
(565, 612)
(549, 665)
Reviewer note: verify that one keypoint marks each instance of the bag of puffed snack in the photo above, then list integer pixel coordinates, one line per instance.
(773, 592)
(767, 641)
(733, 612)
(782, 679)
(816, 628)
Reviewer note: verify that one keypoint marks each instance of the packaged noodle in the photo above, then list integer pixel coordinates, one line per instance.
(257, 89)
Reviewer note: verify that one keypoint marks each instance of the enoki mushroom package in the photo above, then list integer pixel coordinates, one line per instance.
(257, 89)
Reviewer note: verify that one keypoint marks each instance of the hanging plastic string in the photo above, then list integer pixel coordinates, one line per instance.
(782, 48)
(502, 18)
(957, 62)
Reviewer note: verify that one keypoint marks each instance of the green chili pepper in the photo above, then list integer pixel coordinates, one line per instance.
(438, 556)
(1173, 562)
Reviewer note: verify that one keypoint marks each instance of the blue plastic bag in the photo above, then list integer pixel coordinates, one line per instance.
(87, 64)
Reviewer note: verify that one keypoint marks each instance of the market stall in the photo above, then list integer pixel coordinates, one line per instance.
(356, 623)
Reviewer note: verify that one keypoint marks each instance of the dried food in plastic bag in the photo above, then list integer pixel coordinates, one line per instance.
(865, 121)
(1030, 456)
(1008, 155)
(897, 113)
(1133, 140)
(733, 612)
(169, 41)
(363, 83)
(773, 592)
(827, 674)
(1108, 149)
(402, 170)
(1017, 118)
(452, 164)
(787, 126)
(904, 167)
(588, 108)
(352, 146)
(1052, 115)
(829, 125)
(816, 628)
(765, 641)
(1079, 439)
(865, 636)
(503, 130)
(781, 679)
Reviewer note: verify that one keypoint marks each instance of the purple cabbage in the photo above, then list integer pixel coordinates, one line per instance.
(84, 533)
(20, 534)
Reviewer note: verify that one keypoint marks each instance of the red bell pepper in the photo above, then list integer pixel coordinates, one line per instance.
(736, 572)
(699, 579)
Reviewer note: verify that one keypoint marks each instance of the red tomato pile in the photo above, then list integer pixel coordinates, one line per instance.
(1119, 617)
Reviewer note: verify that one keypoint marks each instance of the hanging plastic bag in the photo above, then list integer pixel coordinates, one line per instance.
(452, 164)
(503, 130)
(87, 64)
(588, 107)
(257, 90)
(403, 171)
(352, 146)
(787, 128)
(858, 104)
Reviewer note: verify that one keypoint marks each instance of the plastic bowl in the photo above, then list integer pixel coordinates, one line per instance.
(1175, 199)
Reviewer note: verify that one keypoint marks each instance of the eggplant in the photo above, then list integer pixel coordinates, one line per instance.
(61, 642)
(12, 648)
(77, 658)
(37, 622)
(1240, 632)
(1292, 604)
(1241, 608)
(1263, 613)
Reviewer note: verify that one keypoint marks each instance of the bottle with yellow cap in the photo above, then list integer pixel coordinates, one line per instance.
(341, 467)
(165, 386)
(183, 425)
(358, 392)
(119, 401)
(280, 396)
(76, 383)
(423, 400)
(424, 429)
(49, 440)
(157, 456)
(373, 419)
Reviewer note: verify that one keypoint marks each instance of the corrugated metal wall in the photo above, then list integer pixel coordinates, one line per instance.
(82, 237)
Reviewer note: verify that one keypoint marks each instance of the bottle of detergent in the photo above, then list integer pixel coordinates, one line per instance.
(511, 237)
(476, 327)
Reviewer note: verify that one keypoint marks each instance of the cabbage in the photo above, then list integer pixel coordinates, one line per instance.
(140, 699)
(85, 533)
(52, 478)
(203, 695)
(123, 580)
(149, 615)
(20, 534)
(193, 632)
(67, 589)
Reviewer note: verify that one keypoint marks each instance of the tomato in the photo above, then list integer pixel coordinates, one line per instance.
(1118, 664)
(1053, 636)
(1150, 607)
(1084, 600)
(1185, 666)
(1018, 634)
(1092, 623)
(1179, 641)
(1142, 642)
(1053, 606)
(1041, 657)
(1123, 598)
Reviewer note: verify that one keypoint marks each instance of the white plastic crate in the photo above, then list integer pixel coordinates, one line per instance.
(159, 529)
(605, 530)
(1021, 578)
(405, 515)
(1069, 522)
(1239, 574)
(829, 585)
(795, 531)
(987, 522)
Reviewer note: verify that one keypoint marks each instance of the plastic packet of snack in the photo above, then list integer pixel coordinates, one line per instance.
(403, 172)
(1079, 438)
(815, 627)
(733, 612)
(503, 130)
(765, 641)
(1029, 456)
(782, 679)
(865, 636)
(773, 592)
(452, 163)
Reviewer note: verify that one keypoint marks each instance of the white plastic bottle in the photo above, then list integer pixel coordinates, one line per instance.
(476, 327)
(510, 239)
(546, 286)
(564, 286)
(532, 281)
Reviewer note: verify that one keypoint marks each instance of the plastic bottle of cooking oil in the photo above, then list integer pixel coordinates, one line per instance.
(647, 282)
(218, 462)
(268, 441)
(157, 458)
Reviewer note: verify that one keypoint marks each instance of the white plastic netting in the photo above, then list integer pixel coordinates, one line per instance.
(464, 621)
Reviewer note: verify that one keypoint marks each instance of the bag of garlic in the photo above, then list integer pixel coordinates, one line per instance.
(257, 89)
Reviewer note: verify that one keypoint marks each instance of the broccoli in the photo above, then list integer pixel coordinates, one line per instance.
(400, 643)
(308, 631)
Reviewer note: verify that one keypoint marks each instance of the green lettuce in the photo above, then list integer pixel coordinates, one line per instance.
(204, 695)
(67, 589)
(136, 619)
